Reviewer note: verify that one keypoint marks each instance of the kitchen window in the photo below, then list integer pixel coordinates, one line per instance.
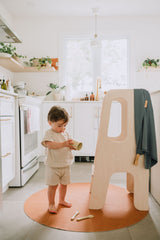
(83, 64)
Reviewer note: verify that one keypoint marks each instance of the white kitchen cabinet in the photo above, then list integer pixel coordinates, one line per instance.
(86, 124)
(7, 138)
(7, 105)
(46, 106)
(7, 149)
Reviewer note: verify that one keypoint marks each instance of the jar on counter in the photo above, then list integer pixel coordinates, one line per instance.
(86, 97)
(3, 85)
(9, 87)
(92, 97)
(20, 89)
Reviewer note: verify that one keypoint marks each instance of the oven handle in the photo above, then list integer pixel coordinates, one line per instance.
(31, 166)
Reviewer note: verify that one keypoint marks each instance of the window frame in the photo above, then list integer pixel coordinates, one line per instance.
(66, 37)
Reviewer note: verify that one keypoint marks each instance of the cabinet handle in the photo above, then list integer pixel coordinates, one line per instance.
(5, 97)
(7, 154)
(7, 119)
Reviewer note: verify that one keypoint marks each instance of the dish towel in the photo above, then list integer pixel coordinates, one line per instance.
(33, 119)
(144, 128)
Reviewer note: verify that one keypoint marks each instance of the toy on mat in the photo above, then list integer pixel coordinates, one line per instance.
(74, 216)
(85, 217)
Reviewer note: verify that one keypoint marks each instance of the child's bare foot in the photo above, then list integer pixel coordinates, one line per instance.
(65, 204)
(52, 209)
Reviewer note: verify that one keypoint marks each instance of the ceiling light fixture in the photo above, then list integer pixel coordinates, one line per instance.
(95, 42)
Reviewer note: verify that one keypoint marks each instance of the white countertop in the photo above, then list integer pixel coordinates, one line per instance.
(92, 102)
(8, 93)
(71, 101)
(28, 100)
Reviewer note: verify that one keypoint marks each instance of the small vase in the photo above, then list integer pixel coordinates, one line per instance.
(36, 62)
(48, 64)
(57, 96)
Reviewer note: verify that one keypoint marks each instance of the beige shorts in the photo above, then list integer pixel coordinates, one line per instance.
(54, 176)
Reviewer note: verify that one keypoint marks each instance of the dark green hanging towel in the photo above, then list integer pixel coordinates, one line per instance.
(145, 127)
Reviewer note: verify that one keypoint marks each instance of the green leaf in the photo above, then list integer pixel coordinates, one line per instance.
(48, 92)
(53, 86)
(63, 87)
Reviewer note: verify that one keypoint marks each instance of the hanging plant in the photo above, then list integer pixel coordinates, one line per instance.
(150, 62)
(40, 62)
(7, 48)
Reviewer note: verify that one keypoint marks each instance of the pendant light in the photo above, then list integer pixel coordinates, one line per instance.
(95, 42)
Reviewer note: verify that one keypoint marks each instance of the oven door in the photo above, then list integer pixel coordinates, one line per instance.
(29, 133)
(29, 170)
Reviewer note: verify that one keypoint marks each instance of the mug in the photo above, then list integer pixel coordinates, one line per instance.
(77, 145)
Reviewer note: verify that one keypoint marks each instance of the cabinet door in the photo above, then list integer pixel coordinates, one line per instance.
(7, 105)
(86, 124)
(7, 137)
(46, 106)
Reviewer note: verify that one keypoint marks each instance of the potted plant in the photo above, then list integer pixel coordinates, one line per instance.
(7, 50)
(40, 62)
(45, 62)
(150, 63)
(54, 63)
(33, 62)
(56, 92)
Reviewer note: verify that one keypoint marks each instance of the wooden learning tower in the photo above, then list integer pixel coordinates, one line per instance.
(117, 154)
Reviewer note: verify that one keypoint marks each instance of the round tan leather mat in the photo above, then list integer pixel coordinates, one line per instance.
(118, 211)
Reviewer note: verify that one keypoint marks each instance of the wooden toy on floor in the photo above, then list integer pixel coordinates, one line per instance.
(74, 216)
(84, 218)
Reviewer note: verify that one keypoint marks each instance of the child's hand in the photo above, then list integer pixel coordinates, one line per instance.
(69, 143)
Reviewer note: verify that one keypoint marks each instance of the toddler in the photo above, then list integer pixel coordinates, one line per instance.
(59, 157)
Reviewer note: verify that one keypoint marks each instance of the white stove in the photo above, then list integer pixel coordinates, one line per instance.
(29, 127)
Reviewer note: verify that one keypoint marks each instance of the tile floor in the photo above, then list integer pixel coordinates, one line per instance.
(15, 225)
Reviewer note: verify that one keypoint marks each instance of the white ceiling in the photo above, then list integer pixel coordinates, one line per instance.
(81, 7)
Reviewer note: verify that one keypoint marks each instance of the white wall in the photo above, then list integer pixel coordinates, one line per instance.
(5, 15)
(5, 74)
(43, 37)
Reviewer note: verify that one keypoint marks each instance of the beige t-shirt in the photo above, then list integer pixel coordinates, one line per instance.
(57, 157)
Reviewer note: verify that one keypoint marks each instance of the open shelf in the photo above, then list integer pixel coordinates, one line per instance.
(11, 64)
(15, 66)
(149, 69)
(35, 69)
